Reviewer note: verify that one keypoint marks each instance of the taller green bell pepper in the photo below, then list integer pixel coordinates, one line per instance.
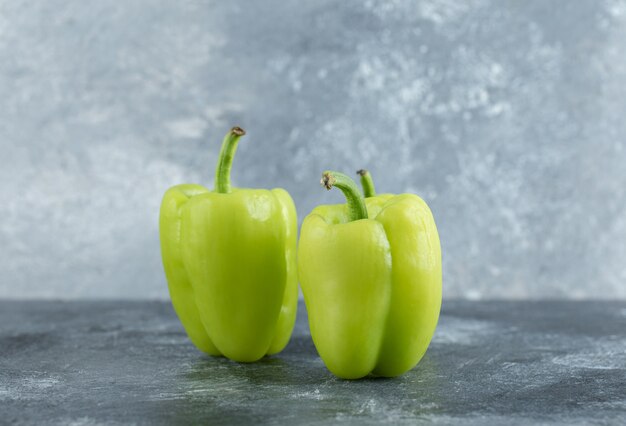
(370, 272)
(230, 260)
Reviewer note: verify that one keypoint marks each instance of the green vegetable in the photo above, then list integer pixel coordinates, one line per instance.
(370, 271)
(230, 260)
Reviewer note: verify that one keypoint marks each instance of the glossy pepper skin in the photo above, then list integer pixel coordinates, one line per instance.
(229, 259)
(371, 280)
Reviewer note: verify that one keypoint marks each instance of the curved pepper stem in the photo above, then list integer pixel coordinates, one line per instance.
(367, 183)
(225, 160)
(354, 199)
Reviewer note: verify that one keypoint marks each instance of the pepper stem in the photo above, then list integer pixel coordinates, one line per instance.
(225, 160)
(354, 199)
(367, 183)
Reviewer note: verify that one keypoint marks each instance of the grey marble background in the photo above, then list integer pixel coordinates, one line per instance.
(507, 117)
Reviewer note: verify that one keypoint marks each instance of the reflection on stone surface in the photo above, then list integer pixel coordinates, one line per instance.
(489, 363)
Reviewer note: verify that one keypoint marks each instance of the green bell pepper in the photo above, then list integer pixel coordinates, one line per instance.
(370, 272)
(230, 260)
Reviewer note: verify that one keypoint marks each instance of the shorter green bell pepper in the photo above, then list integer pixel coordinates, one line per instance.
(370, 272)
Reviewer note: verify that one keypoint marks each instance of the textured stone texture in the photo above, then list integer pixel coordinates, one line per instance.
(490, 363)
(506, 116)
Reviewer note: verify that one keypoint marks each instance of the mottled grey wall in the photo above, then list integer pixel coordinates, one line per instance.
(508, 118)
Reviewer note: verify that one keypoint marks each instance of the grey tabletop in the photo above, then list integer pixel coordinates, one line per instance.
(126, 362)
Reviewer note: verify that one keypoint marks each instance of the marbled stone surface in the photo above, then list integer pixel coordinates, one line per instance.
(490, 363)
(507, 117)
